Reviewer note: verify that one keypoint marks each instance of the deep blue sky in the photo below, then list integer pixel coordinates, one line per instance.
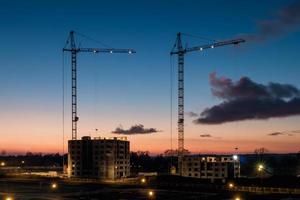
(123, 89)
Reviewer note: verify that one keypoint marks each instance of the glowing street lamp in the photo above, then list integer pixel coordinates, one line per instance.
(237, 198)
(143, 180)
(230, 185)
(8, 198)
(2, 164)
(260, 167)
(150, 193)
(54, 186)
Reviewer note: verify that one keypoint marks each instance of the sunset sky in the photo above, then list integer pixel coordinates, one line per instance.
(126, 90)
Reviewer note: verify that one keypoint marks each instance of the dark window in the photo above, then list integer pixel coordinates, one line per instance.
(209, 166)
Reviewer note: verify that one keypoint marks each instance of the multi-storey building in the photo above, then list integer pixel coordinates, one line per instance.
(211, 167)
(103, 158)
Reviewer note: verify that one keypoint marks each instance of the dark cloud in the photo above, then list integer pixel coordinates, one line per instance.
(285, 20)
(246, 99)
(205, 135)
(136, 129)
(289, 133)
(276, 134)
(192, 114)
(225, 88)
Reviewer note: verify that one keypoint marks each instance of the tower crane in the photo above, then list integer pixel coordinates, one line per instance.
(74, 49)
(180, 51)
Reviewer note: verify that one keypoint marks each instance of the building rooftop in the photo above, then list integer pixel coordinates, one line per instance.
(103, 138)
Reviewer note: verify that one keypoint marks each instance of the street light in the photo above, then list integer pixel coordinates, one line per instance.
(230, 185)
(53, 186)
(237, 198)
(260, 167)
(8, 198)
(2, 164)
(143, 180)
(150, 193)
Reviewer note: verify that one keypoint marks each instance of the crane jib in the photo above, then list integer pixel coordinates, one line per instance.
(74, 50)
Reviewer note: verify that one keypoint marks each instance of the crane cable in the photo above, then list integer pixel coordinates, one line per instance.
(92, 39)
(200, 37)
(95, 103)
(63, 111)
(171, 106)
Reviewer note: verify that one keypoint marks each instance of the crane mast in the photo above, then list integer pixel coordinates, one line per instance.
(180, 51)
(74, 51)
(180, 122)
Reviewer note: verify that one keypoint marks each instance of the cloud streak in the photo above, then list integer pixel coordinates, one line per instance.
(192, 114)
(276, 134)
(245, 99)
(134, 130)
(289, 133)
(285, 20)
(206, 135)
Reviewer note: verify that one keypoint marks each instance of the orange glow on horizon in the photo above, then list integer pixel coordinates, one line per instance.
(35, 133)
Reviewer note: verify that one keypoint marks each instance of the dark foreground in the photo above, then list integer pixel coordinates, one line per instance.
(40, 189)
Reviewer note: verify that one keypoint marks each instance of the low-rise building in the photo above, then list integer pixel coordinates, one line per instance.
(103, 158)
(211, 167)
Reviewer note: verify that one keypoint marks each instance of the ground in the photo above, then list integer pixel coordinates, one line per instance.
(40, 189)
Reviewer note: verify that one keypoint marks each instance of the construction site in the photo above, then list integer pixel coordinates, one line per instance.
(101, 167)
(109, 158)
(203, 140)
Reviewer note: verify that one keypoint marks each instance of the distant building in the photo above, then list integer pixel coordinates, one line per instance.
(211, 167)
(99, 158)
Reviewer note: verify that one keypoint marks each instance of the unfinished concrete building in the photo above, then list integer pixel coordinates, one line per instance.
(101, 158)
(211, 167)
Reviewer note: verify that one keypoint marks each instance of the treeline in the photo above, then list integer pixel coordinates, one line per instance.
(141, 161)
(32, 159)
(274, 164)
